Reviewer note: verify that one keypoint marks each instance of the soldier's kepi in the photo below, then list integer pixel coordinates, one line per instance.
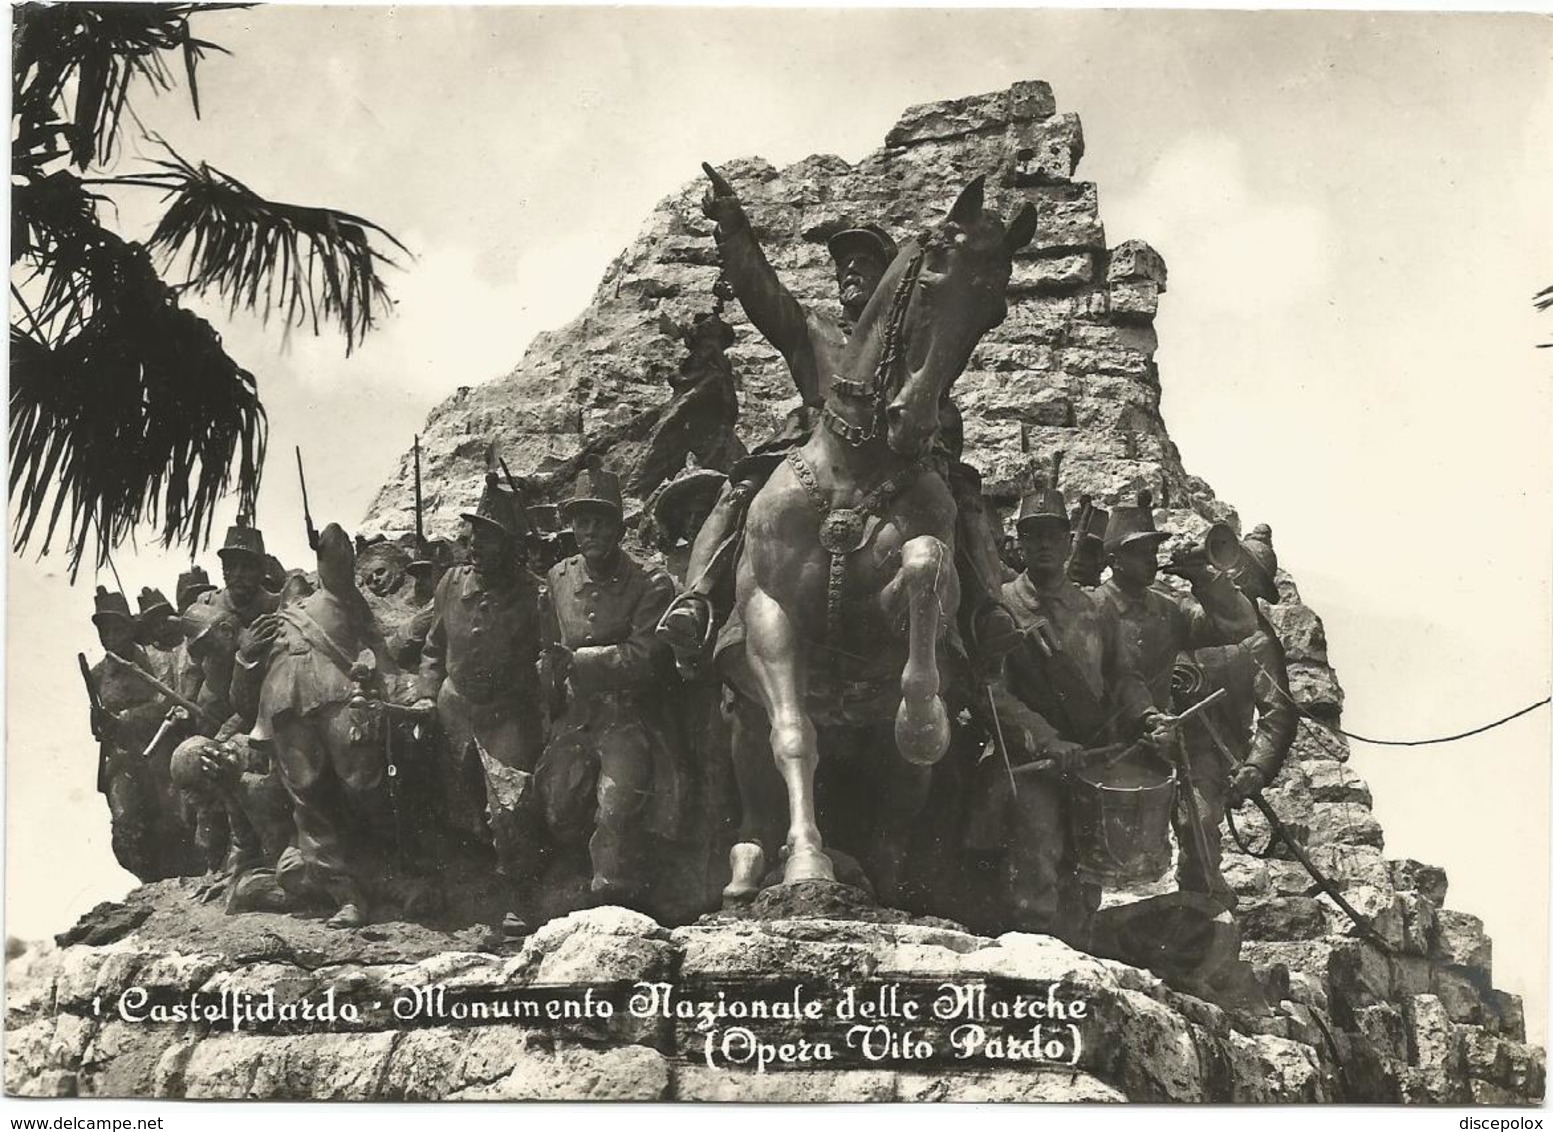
(608, 776)
(812, 346)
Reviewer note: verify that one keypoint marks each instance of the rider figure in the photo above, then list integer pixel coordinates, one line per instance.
(812, 346)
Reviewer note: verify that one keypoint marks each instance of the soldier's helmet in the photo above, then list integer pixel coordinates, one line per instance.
(191, 583)
(111, 606)
(595, 488)
(1257, 572)
(501, 510)
(153, 605)
(1093, 523)
(436, 555)
(1133, 524)
(692, 491)
(1044, 504)
(245, 541)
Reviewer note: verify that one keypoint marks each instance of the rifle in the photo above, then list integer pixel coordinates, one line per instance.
(529, 534)
(307, 515)
(420, 529)
(99, 719)
(157, 686)
(1277, 829)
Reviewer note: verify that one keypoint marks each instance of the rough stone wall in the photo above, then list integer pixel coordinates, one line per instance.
(1071, 370)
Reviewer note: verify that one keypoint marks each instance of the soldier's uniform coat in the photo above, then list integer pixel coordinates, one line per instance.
(608, 767)
(478, 663)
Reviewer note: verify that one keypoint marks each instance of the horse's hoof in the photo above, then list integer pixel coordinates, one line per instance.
(747, 862)
(807, 864)
(922, 731)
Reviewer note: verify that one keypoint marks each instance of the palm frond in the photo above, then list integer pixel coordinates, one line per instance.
(1543, 298)
(137, 417)
(310, 265)
(95, 51)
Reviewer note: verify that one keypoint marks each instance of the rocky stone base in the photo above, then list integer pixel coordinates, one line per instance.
(608, 1004)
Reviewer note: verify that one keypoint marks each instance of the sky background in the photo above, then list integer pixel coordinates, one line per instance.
(1354, 210)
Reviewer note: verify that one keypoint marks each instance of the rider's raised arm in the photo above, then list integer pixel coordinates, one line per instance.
(766, 301)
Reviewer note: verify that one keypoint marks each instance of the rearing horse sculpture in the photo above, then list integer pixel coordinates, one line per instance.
(849, 542)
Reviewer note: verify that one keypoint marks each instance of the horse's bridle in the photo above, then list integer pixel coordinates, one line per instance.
(876, 392)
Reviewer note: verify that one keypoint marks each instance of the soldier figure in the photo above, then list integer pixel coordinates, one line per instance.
(680, 509)
(325, 651)
(813, 348)
(242, 816)
(157, 626)
(192, 583)
(426, 573)
(1064, 689)
(244, 567)
(478, 671)
(607, 770)
(147, 837)
(1231, 757)
(1156, 625)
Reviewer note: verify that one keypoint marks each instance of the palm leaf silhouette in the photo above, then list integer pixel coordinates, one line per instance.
(125, 407)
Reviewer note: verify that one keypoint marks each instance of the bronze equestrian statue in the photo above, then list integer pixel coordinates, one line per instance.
(846, 579)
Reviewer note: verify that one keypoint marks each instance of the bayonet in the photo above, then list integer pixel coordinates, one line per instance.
(420, 528)
(307, 514)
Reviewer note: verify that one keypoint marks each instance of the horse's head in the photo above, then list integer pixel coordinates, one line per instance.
(944, 291)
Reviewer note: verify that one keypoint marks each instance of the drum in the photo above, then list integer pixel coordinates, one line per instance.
(1121, 819)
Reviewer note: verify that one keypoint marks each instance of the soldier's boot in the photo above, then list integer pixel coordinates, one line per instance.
(1035, 868)
(992, 630)
(513, 816)
(617, 877)
(688, 624)
(619, 845)
(352, 912)
(1197, 866)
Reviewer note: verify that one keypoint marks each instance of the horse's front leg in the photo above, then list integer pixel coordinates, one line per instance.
(930, 591)
(774, 651)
